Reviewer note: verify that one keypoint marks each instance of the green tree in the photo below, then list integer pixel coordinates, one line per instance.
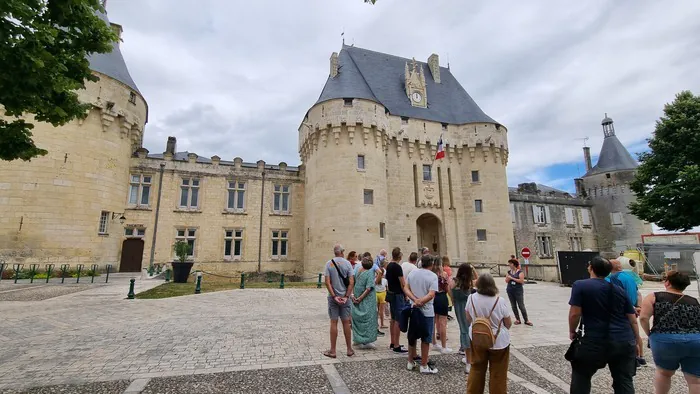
(667, 184)
(44, 46)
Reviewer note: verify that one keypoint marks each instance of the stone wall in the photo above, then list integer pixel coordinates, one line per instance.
(526, 230)
(50, 207)
(611, 195)
(212, 217)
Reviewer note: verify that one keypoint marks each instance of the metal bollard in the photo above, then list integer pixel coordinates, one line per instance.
(159, 268)
(150, 270)
(32, 272)
(242, 280)
(93, 271)
(282, 281)
(109, 268)
(2, 269)
(17, 268)
(131, 294)
(49, 268)
(64, 270)
(167, 275)
(198, 287)
(318, 285)
(80, 268)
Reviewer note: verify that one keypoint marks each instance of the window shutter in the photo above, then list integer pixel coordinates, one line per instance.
(535, 214)
(569, 216)
(585, 217)
(547, 218)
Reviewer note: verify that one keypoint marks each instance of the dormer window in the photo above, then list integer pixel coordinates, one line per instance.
(444, 127)
(404, 120)
(132, 98)
(347, 102)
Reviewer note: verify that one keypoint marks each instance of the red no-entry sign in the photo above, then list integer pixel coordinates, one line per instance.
(525, 252)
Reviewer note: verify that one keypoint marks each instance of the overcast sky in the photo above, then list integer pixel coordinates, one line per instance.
(235, 78)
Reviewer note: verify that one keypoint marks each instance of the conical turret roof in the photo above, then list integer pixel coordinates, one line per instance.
(112, 63)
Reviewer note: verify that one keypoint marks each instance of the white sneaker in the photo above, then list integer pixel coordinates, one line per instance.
(468, 368)
(464, 360)
(428, 369)
(369, 346)
(445, 350)
(410, 365)
(461, 352)
(437, 347)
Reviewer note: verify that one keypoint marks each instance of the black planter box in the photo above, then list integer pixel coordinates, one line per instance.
(181, 271)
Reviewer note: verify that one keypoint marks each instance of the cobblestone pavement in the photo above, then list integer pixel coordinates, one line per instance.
(255, 339)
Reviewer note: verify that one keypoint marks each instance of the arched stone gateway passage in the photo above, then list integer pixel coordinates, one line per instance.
(430, 233)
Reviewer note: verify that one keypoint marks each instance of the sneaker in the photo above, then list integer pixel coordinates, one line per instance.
(464, 360)
(461, 352)
(641, 361)
(400, 349)
(468, 368)
(410, 365)
(428, 369)
(437, 347)
(445, 350)
(381, 334)
(368, 346)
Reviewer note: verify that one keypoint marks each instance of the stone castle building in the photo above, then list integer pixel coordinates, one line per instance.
(368, 178)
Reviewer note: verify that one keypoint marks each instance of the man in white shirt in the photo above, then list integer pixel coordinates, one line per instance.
(410, 265)
(420, 288)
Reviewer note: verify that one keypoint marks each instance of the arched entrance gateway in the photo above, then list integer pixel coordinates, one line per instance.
(430, 233)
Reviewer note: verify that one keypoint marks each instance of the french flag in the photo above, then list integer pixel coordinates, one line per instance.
(440, 149)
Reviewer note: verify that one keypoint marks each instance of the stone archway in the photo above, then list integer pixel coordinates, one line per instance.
(430, 234)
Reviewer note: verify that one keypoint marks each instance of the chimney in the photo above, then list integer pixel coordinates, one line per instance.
(434, 65)
(580, 190)
(171, 145)
(334, 64)
(587, 157)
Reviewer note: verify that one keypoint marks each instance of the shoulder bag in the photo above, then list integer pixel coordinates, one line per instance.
(345, 279)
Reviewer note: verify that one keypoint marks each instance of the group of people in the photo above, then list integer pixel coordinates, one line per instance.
(603, 326)
(419, 293)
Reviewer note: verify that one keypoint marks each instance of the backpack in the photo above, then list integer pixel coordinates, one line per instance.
(482, 335)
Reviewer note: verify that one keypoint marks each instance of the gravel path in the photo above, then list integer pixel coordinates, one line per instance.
(112, 387)
(306, 380)
(551, 358)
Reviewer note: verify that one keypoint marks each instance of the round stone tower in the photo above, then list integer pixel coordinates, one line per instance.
(65, 207)
(343, 148)
(608, 185)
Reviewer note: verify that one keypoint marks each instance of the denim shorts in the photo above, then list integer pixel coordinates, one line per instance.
(671, 351)
(397, 303)
(430, 321)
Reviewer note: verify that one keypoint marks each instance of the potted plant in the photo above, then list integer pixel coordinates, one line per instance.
(182, 267)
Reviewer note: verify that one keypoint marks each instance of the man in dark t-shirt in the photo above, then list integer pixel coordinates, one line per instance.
(396, 298)
(610, 328)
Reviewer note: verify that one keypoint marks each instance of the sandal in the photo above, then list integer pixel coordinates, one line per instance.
(517, 322)
(350, 354)
(527, 323)
(328, 353)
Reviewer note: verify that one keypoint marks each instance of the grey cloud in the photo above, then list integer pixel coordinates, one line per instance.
(236, 78)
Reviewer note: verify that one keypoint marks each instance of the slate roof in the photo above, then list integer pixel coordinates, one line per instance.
(380, 77)
(112, 64)
(613, 157)
(182, 156)
(544, 189)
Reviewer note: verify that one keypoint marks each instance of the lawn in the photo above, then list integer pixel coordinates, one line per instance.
(171, 289)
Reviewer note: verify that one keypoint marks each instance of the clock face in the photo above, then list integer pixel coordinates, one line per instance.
(416, 97)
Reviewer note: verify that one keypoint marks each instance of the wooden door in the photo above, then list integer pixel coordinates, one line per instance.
(132, 254)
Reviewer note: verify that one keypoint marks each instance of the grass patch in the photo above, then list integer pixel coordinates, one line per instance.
(171, 289)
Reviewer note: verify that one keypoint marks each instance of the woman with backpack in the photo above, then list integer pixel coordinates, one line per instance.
(463, 285)
(490, 340)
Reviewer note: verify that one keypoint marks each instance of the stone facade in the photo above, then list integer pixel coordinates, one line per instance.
(368, 179)
(60, 208)
(548, 221)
